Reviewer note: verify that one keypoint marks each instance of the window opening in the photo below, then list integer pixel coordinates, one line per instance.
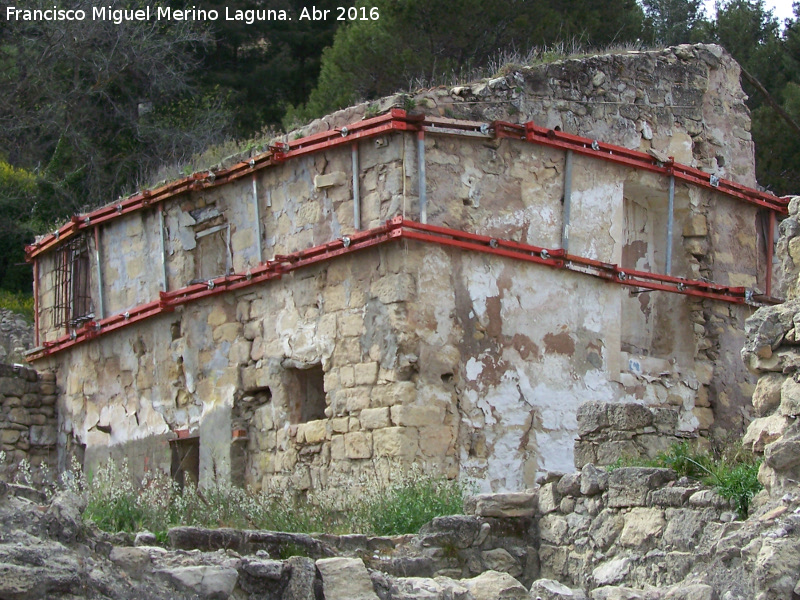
(185, 468)
(73, 302)
(305, 391)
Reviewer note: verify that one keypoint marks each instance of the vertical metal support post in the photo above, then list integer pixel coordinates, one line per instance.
(423, 190)
(100, 311)
(356, 188)
(670, 224)
(163, 249)
(567, 201)
(257, 208)
(770, 250)
(35, 302)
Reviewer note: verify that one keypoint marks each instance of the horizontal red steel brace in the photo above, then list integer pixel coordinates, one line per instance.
(609, 271)
(641, 160)
(395, 120)
(467, 245)
(400, 120)
(397, 228)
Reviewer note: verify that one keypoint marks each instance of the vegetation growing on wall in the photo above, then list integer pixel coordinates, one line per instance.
(732, 471)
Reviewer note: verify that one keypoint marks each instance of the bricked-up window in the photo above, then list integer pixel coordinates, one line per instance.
(213, 253)
(73, 302)
(305, 392)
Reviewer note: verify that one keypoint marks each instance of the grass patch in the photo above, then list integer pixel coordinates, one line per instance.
(18, 302)
(731, 471)
(117, 503)
(411, 503)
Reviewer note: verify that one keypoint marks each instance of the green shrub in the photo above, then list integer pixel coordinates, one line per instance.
(731, 471)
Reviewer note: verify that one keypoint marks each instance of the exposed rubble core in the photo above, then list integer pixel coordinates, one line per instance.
(633, 534)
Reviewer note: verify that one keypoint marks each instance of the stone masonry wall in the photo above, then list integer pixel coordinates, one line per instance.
(607, 432)
(28, 421)
(773, 352)
(468, 364)
(633, 534)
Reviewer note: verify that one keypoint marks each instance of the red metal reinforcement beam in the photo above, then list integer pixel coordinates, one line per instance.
(400, 120)
(394, 120)
(556, 258)
(273, 269)
(396, 229)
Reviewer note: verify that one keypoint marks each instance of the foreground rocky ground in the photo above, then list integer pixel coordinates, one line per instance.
(637, 534)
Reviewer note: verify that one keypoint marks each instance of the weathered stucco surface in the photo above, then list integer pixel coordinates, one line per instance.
(473, 365)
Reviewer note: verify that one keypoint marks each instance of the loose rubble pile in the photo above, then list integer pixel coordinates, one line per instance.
(633, 534)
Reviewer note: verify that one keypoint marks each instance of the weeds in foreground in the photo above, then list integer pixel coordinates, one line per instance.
(732, 472)
(117, 503)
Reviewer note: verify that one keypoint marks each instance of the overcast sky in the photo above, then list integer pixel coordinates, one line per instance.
(780, 8)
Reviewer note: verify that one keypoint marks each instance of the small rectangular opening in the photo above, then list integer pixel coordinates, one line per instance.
(305, 392)
(185, 468)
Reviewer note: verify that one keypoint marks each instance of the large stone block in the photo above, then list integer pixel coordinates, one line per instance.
(550, 589)
(214, 583)
(365, 373)
(400, 442)
(593, 480)
(459, 531)
(492, 585)
(400, 392)
(764, 431)
(504, 505)
(592, 417)
(789, 398)
(358, 444)
(417, 416)
(549, 498)
(399, 287)
(642, 527)
(767, 395)
(345, 579)
(553, 529)
(629, 486)
(374, 418)
(435, 440)
(43, 435)
(313, 432)
(628, 417)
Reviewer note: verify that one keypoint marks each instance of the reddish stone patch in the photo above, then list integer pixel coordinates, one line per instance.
(526, 347)
(559, 343)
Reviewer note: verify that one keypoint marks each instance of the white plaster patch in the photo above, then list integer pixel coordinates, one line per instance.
(481, 283)
(473, 368)
(556, 450)
(429, 278)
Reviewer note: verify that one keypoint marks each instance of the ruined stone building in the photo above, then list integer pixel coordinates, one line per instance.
(440, 279)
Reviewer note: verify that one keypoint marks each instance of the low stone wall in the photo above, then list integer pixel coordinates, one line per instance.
(607, 432)
(28, 421)
(634, 527)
